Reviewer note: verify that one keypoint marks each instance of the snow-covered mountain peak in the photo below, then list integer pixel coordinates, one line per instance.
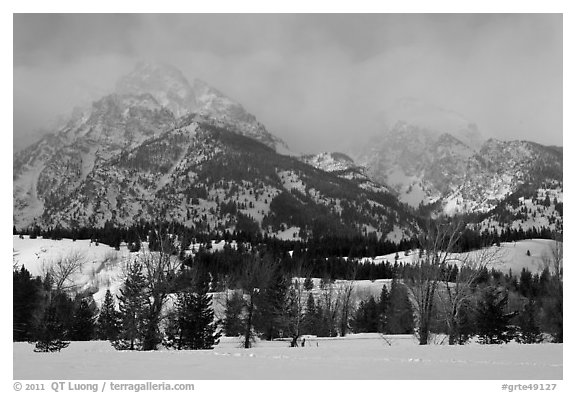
(211, 101)
(124, 101)
(412, 113)
(164, 82)
(201, 88)
(173, 91)
(454, 170)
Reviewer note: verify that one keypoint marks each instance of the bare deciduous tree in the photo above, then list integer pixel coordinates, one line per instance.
(159, 269)
(296, 311)
(345, 292)
(437, 243)
(62, 270)
(337, 301)
(457, 285)
(330, 306)
(554, 262)
(554, 259)
(255, 278)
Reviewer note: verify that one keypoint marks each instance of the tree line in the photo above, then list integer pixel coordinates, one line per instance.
(167, 301)
(310, 247)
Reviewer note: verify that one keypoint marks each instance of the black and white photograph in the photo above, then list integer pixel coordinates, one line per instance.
(288, 196)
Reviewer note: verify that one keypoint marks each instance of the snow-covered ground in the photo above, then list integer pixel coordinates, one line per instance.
(356, 357)
(509, 255)
(34, 254)
(102, 266)
(361, 356)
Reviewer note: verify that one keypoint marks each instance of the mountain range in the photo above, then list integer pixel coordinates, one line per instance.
(161, 148)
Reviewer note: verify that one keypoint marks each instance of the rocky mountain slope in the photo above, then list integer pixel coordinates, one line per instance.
(161, 149)
(173, 91)
(426, 167)
(343, 166)
(212, 179)
(58, 163)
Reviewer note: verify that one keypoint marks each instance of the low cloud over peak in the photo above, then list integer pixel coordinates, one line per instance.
(314, 80)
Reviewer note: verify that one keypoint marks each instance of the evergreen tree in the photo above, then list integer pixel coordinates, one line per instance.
(383, 306)
(491, 317)
(26, 304)
(187, 324)
(310, 323)
(197, 328)
(544, 282)
(233, 326)
(529, 330)
(172, 333)
(132, 310)
(108, 324)
(83, 325)
(553, 309)
(466, 323)
(366, 318)
(51, 332)
(65, 309)
(399, 317)
(526, 284)
(324, 321)
(271, 309)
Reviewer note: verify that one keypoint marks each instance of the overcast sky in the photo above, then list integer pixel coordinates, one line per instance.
(317, 81)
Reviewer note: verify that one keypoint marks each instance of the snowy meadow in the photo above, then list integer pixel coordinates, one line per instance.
(355, 357)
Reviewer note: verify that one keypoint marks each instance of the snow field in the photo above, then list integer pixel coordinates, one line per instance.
(510, 255)
(355, 357)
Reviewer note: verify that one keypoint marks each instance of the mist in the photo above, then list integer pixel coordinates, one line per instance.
(317, 81)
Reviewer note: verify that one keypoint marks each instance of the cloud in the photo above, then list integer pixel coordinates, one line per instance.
(315, 80)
